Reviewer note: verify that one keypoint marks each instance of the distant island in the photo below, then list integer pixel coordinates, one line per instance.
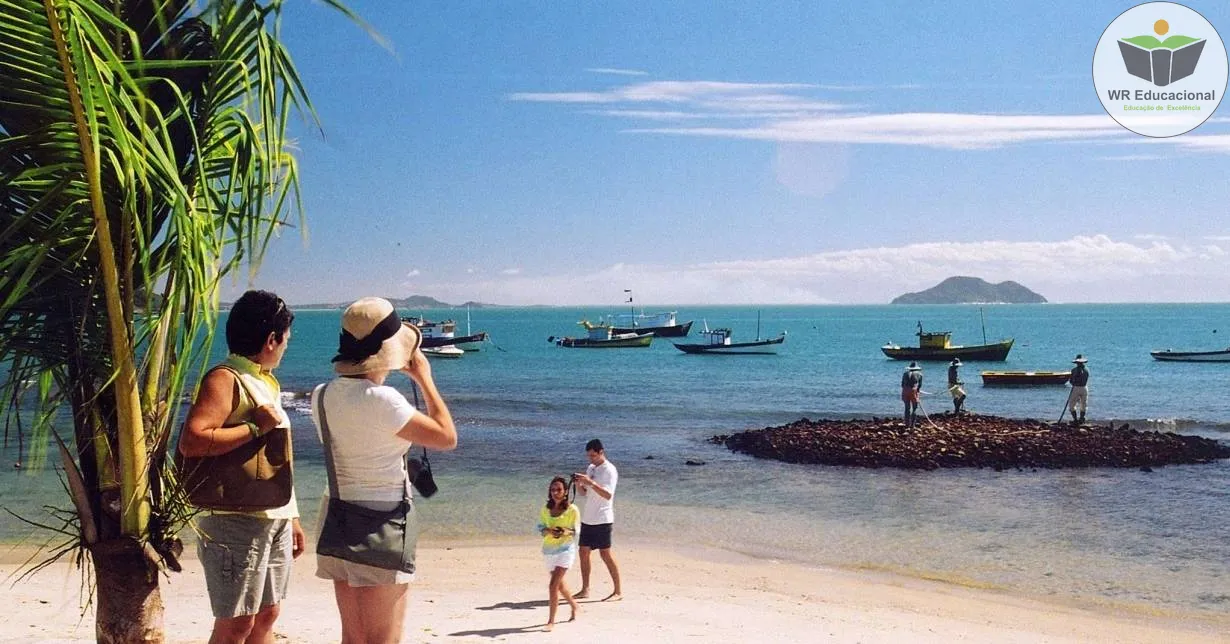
(972, 290)
(412, 302)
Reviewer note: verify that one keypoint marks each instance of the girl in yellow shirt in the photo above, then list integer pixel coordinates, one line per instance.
(557, 523)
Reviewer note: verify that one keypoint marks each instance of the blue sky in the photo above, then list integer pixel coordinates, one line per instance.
(737, 152)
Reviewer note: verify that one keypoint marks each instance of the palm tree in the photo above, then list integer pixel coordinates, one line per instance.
(143, 156)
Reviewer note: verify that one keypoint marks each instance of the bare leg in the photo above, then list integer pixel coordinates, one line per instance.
(585, 569)
(262, 626)
(232, 630)
(609, 559)
(553, 596)
(371, 613)
(563, 589)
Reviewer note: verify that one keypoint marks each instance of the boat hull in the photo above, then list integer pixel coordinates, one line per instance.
(760, 347)
(642, 340)
(440, 341)
(1025, 377)
(997, 352)
(675, 331)
(1191, 356)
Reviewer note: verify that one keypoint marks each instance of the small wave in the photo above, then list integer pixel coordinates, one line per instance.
(1177, 425)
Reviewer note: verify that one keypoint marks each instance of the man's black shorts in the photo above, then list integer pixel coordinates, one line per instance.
(597, 536)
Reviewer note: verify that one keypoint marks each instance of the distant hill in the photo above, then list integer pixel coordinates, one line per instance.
(972, 290)
(411, 302)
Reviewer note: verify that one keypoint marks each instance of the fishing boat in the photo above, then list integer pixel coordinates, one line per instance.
(717, 342)
(443, 334)
(937, 345)
(601, 336)
(470, 341)
(1025, 377)
(662, 325)
(1170, 355)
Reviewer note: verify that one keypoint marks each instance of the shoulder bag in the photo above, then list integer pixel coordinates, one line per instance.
(381, 538)
(254, 476)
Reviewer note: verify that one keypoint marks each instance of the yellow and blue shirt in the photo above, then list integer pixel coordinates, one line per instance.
(569, 519)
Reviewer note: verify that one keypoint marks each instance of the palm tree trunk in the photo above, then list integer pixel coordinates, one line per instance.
(129, 605)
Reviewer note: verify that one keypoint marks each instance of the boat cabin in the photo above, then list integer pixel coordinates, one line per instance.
(934, 339)
(716, 337)
(598, 331)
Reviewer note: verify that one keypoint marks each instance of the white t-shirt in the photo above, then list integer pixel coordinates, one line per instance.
(597, 510)
(364, 419)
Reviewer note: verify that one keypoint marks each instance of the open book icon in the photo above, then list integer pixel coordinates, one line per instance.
(1161, 62)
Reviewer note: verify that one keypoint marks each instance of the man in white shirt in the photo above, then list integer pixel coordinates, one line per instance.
(597, 487)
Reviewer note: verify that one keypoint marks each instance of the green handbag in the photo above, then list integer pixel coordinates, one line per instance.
(381, 538)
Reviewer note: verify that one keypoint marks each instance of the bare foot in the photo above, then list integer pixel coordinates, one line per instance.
(584, 594)
(549, 627)
(613, 597)
(573, 616)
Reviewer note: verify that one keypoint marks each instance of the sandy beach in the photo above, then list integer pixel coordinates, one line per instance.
(495, 590)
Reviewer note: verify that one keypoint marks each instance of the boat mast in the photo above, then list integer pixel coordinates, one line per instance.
(758, 325)
(984, 324)
(631, 306)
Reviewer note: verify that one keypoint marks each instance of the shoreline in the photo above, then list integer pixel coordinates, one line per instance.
(492, 587)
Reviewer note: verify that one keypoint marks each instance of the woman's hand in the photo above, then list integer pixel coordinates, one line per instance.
(419, 368)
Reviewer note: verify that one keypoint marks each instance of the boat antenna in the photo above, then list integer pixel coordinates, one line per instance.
(631, 306)
(984, 324)
(758, 325)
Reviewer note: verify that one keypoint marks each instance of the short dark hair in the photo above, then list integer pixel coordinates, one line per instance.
(594, 445)
(252, 318)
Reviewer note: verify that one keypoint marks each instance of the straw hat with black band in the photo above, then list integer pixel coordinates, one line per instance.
(374, 338)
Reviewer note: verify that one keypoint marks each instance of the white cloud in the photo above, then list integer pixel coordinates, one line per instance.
(616, 71)
(511, 271)
(1133, 157)
(414, 273)
(1085, 268)
(931, 129)
(790, 113)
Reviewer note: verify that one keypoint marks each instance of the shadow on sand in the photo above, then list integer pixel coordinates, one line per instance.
(497, 632)
(535, 603)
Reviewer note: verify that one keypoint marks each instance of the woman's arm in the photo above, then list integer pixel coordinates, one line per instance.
(204, 434)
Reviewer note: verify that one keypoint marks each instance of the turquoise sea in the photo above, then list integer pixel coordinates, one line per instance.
(526, 407)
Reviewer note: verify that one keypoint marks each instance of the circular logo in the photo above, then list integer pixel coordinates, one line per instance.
(1160, 69)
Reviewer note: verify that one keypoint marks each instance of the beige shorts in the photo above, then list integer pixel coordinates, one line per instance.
(247, 561)
(357, 574)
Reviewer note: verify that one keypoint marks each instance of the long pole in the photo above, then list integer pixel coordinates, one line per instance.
(757, 325)
(631, 306)
(984, 324)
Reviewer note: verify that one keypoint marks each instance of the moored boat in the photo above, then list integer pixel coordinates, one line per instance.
(718, 341)
(1025, 377)
(1170, 355)
(601, 336)
(937, 345)
(662, 325)
(447, 351)
(444, 334)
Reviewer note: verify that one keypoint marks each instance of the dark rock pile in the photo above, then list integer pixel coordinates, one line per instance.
(970, 440)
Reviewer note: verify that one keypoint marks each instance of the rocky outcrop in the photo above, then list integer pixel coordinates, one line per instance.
(970, 440)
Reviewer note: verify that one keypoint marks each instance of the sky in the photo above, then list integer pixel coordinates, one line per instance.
(735, 153)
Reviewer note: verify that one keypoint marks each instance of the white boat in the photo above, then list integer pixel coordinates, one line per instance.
(447, 351)
(441, 334)
(1170, 355)
(663, 325)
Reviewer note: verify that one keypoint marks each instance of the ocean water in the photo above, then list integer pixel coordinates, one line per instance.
(525, 409)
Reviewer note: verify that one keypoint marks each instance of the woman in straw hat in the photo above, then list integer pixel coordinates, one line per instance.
(371, 428)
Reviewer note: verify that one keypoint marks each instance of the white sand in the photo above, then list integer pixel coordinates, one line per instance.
(496, 591)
